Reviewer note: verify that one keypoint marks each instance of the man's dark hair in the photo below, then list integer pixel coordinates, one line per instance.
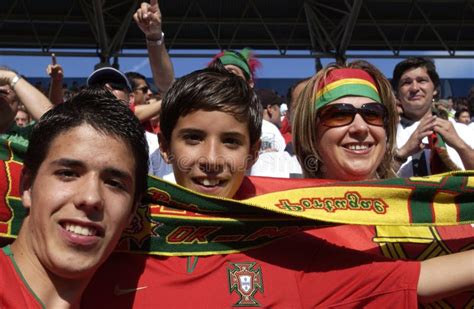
(132, 76)
(211, 90)
(268, 97)
(413, 63)
(104, 112)
(460, 111)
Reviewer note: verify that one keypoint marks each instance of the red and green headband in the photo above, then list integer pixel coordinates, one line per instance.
(346, 82)
(240, 59)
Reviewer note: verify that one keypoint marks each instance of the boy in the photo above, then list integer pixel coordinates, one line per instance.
(210, 126)
(84, 174)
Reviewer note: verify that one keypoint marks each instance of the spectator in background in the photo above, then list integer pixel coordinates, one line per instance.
(441, 109)
(463, 116)
(144, 108)
(416, 84)
(22, 117)
(74, 86)
(118, 84)
(39, 86)
(56, 72)
(243, 63)
(149, 20)
(271, 138)
(140, 88)
(113, 80)
(450, 107)
(15, 90)
(470, 104)
(273, 160)
(292, 95)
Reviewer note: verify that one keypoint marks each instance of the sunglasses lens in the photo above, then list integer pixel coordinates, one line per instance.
(373, 114)
(336, 115)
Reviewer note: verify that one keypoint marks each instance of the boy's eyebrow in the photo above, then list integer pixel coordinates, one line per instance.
(189, 130)
(68, 162)
(192, 130)
(119, 174)
(234, 134)
(115, 172)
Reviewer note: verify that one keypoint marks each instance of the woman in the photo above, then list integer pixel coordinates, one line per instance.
(344, 129)
(352, 112)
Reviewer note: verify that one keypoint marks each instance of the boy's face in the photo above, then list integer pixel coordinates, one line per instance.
(210, 152)
(79, 202)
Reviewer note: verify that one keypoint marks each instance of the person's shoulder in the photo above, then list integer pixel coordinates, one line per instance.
(464, 132)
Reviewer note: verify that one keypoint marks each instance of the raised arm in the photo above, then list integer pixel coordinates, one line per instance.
(55, 71)
(145, 112)
(35, 102)
(446, 275)
(148, 18)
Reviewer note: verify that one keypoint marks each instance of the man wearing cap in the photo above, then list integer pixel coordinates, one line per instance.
(15, 90)
(112, 80)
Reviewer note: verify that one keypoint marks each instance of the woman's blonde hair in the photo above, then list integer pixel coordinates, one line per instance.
(304, 120)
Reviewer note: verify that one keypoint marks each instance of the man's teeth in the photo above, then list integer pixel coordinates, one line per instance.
(358, 147)
(210, 182)
(80, 230)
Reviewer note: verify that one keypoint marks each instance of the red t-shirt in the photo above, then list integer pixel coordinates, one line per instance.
(300, 271)
(14, 291)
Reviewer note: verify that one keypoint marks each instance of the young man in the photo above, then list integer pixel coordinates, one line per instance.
(83, 177)
(416, 84)
(299, 271)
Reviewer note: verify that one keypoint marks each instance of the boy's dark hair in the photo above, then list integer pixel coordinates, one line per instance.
(132, 76)
(416, 62)
(105, 113)
(211, 90)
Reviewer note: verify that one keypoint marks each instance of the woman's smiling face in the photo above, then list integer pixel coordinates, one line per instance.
(353, 151)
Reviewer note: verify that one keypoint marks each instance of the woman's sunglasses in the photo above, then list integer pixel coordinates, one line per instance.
(342, 114)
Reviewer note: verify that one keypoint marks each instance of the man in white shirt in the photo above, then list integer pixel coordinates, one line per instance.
(417, 82)
(272, 140)
(273, 160)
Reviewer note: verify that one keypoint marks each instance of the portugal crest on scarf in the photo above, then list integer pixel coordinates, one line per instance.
(246, 280)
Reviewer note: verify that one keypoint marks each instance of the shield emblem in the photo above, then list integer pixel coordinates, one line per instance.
(245, 283)
(246, 280)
